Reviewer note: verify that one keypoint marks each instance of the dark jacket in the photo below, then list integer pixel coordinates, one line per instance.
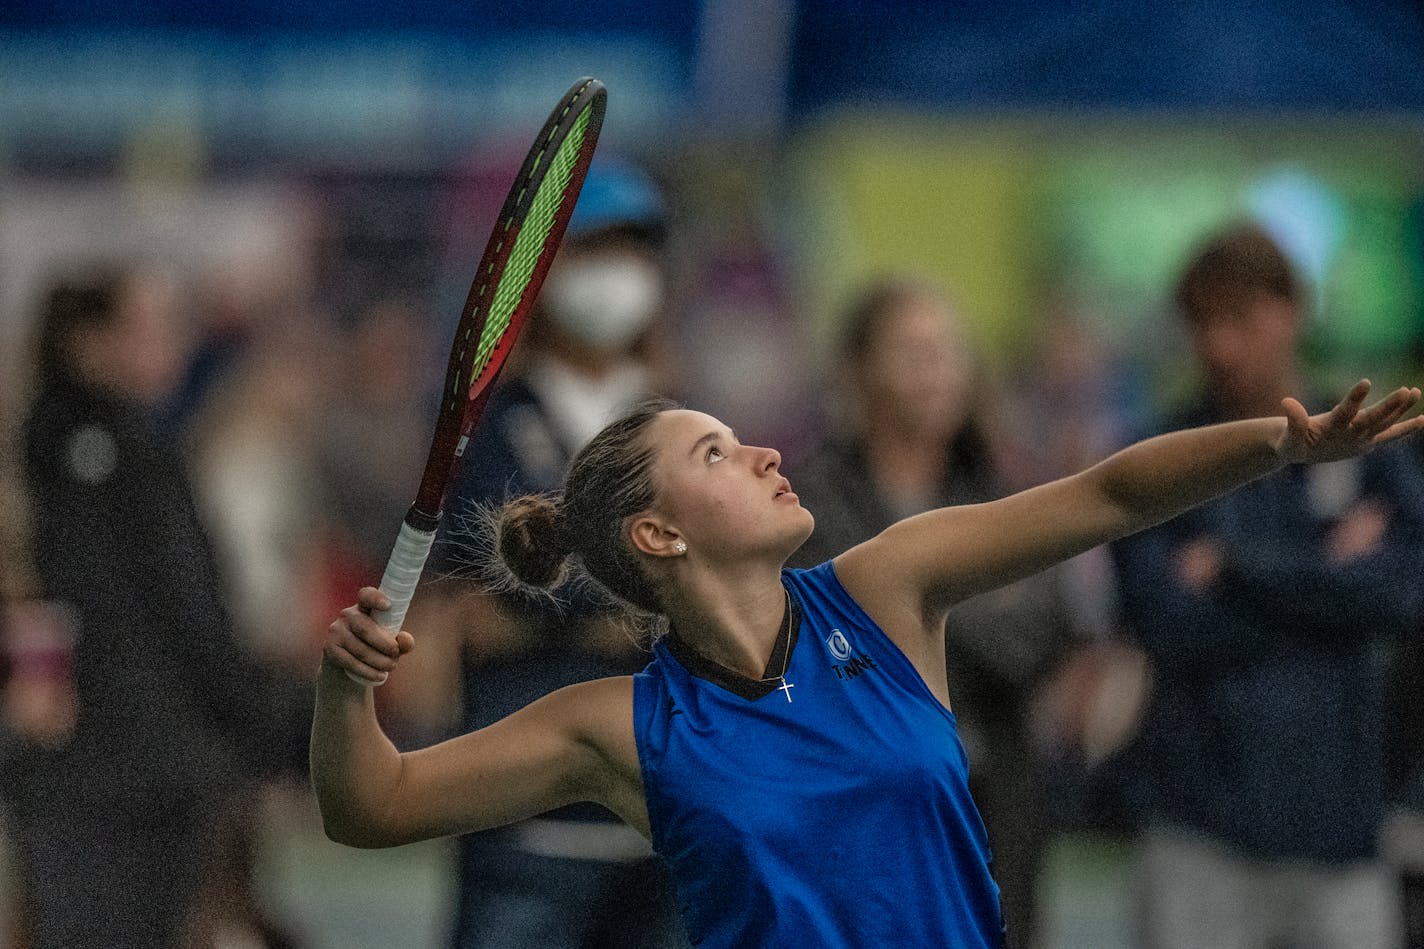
(517, 449)
(112, 828)
(162, 682)
(1265, 730)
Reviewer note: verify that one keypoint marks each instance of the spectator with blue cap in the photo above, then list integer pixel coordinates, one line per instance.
(576, 877)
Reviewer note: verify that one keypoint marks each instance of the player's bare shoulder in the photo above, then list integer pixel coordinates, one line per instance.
(599, 712)
(882, 575)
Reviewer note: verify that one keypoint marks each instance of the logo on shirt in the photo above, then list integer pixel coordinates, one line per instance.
(853, 668)
(849, 666)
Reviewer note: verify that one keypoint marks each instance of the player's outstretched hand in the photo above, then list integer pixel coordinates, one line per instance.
(364, 649)
(1350, 428)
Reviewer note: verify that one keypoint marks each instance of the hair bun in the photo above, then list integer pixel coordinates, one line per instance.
(530, 539)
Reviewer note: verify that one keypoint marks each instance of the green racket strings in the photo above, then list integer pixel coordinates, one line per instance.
(529, 243)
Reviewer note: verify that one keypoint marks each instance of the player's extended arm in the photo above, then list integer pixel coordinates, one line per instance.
(953, 553)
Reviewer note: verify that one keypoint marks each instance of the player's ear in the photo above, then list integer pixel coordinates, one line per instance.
(655, 537)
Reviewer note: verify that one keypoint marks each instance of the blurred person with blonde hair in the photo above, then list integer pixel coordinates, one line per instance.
(913, 438)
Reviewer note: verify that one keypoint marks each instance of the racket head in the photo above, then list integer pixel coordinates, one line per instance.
(521, 247)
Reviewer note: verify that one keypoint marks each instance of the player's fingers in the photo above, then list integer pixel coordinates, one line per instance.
(1297, 418)
(1408, 398)
(1400, 429)
(364, 638)
(365, 627)
(371, 599)
(355, 669)
(405, 642)
(1349, 407)
(1387, 411)
(367, 653)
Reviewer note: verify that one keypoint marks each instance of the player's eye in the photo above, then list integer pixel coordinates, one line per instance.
(714, 454)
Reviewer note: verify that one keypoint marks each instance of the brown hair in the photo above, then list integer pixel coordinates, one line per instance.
(74, 303)
(609, 480)
(864, 319)
(1230, 268)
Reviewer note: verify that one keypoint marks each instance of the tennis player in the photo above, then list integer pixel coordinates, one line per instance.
(790, 750)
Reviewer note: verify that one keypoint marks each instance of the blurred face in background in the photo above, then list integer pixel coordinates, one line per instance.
(915, 375)
(388, 354)
(140, 353)
(603, 295)
(1247, 348)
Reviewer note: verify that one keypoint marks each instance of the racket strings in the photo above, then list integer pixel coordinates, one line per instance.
(529, 243)
(524, 256)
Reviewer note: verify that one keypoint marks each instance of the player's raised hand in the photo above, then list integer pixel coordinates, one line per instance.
(361, 647)
(1350, 428)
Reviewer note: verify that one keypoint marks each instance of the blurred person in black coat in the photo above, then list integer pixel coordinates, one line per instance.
(116, 824)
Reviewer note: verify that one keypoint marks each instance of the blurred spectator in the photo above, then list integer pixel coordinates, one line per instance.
(235, 304)
(577, 877)
(1078, 407)
(375, 433)
(915, 440)
(367, 443)
(255, 450)
(1267, 616)
(37, 702)
(120, 823)
(1404, 834)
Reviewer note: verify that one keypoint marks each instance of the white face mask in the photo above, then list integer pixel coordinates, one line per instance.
(602, 301)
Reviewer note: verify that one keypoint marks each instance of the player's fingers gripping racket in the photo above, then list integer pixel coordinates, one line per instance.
(526, 235)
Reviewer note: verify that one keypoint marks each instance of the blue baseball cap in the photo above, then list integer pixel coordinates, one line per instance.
(616, 196)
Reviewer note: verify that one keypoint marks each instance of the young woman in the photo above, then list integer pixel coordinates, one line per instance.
(790, 750)
(912, 438)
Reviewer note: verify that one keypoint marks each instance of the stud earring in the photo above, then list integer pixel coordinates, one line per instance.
(680, 546)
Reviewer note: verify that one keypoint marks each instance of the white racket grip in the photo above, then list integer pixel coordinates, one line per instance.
(403, 571)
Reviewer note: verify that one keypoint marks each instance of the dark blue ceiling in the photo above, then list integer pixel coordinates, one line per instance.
(1332, 55)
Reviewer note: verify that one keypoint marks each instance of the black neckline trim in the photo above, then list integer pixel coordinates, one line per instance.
(736, 683)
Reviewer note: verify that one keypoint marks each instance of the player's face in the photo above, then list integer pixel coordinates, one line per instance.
(727, 500)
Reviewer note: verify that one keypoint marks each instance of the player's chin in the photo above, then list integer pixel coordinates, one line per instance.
(790, 531)
(806, 524)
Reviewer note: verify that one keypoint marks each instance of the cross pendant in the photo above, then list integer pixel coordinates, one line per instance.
(786, 687)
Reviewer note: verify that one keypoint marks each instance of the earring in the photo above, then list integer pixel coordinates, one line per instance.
(680, 546)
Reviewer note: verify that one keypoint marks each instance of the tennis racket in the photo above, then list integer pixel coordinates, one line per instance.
(526, 235)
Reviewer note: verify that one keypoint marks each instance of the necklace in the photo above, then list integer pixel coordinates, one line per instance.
(783, 636)
(736, 682)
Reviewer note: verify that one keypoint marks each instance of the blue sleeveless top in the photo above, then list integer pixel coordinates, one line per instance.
(835, 812)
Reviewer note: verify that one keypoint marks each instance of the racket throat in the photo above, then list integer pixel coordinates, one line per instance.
(422, 521)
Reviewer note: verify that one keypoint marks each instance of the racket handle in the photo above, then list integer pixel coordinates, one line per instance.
(403, 571)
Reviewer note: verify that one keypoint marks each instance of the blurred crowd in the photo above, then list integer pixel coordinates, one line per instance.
(195, 480)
